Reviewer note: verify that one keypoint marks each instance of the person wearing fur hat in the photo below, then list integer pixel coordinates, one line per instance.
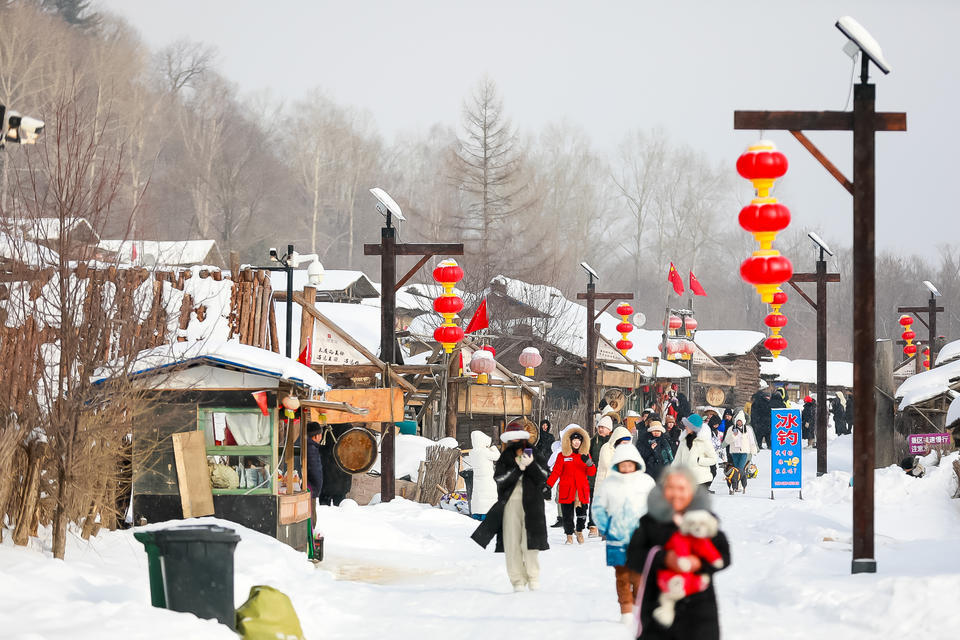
(517, 519)
(621, 436)
(808, 418)
(696, 450)
(620, 501)
(742, 442)
(675, 499)
(655, 449)
(605, 426)
(481, 459)
(572, 471)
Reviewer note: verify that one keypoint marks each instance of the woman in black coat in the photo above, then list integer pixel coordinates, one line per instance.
(517, 519)
(696, 615)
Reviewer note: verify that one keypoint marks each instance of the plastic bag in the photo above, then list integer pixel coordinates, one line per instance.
(268, 615)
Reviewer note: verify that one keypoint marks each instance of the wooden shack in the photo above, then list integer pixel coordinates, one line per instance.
(213, 388)
(725, 368)
(922, 403)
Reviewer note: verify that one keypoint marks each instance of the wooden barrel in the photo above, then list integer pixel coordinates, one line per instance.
(356, 450)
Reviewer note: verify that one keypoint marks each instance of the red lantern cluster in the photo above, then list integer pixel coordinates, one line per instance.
(680, 330)
(908, 335)
(448, 273)
(624, 328)
(764, 217)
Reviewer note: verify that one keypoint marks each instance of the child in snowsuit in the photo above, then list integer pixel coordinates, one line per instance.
(620, 502)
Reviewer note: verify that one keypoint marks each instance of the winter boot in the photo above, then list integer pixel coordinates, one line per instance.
(557, 524)
(593, 533)
(569, 540)
(580, 537)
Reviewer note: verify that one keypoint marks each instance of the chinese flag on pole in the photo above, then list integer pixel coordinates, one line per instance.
(479, 319)
(695, 286)
(261, 398)
(306, 355)
(674, 278)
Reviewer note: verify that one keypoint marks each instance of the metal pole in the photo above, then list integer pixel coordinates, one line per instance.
(821, 364)
(932, 321)
(388, 278)
(864, 332)
(591, 372)
(289, 269)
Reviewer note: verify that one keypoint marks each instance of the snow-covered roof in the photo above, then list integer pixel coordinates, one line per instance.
(49, 228)
(223, 354)
(949, 352)
(774, 368)
(728, 342)
(165, 253)
(928, 384)
(360, 322)
(666, 370)
(839, 374)
(25, 252)
(334, 280)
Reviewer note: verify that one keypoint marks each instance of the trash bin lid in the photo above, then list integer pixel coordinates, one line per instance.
(196, 532)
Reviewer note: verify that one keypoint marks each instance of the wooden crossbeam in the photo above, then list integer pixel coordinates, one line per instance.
(417, 249)
(814, 120)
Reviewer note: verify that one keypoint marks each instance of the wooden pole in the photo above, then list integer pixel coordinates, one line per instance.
(591, 373)
(885, 407)
(864, 331)
(933, 330)
(821, 364)
(306, 320)
(450, 414)
(388, 341)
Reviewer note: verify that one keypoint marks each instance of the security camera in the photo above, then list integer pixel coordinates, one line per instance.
(589, 270)
(932, 289)
(386, 205)
(820, 242)
(18, 128)
(273, 254)
(864, 41)
(30, 130)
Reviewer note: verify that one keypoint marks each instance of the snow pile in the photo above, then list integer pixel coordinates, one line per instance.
(334, 281)
(410, 451)
(839, 374)
(949, 353)
(928, 384)
(162, 253)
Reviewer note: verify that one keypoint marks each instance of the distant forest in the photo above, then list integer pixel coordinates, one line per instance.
(202, 160)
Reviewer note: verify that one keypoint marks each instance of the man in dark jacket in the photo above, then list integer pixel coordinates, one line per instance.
(808, 420)
(760, 417)
(314, 466)
(336, 481)
(655, 449)
(545, 442)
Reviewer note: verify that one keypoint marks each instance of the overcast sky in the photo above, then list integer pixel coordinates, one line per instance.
(611, 67)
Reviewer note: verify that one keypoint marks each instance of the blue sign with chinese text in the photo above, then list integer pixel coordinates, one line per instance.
(786, 455)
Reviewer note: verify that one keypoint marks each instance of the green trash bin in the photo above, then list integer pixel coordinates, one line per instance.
(196, 564)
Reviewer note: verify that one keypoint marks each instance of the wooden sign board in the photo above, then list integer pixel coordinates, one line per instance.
(377, 401)
(606, 353)
(713, 376)
(617, 378)
(193, 478)
(489, 400)
(330, 349)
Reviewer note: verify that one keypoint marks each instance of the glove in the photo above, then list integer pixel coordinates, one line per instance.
(587, 459)
(524, 461)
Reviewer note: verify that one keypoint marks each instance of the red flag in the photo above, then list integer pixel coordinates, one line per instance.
(261, 398)
(307, 354)
(479, 319)
(695, 286)
(674, 278)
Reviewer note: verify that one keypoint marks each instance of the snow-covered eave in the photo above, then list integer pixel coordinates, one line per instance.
(928, 385)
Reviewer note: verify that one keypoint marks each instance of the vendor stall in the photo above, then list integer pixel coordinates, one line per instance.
(233, 395)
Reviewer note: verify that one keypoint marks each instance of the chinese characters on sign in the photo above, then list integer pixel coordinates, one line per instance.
(922, 443)
(331, 349)
(786, 456)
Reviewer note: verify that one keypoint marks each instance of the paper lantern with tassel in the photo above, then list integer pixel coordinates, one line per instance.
(530, 358)
(483, 364)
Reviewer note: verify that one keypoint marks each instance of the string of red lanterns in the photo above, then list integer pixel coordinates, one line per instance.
(625, 327)
(764, 217)
(908, 335)
(448, 273)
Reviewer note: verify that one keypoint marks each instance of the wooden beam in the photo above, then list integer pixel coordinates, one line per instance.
(814, 120)
(803, 295)
(605, 307)
(402, 281)
(918, 309)
(606, 296)
(417, 249)
(812, 277)
(822, 159)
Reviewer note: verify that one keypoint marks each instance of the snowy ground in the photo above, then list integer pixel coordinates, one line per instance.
(406, 571)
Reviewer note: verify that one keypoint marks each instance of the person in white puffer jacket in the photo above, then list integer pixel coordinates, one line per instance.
(696, 450)
(481, 459)
(620, 502)
(622, 436)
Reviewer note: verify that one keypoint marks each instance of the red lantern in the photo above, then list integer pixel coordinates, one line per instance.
(624, 346)
(448, 271)
(762, 164)
(780, 298)
(766, 273)
(926, 351)
(448, 334)
(764, 220)
(674, 323)
(777, 320)
(906, 321)
(624, 327)
(775, 344)
(624, 309)
(483, 364)
(926, 364)
(908, 335)
(687, 349)
(646, 388)
(910, 349)
(691, 324)
(451, 305)
(674, 348)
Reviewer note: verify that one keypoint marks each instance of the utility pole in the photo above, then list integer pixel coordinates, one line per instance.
(388, 249)
(593, 329)
(864, 122)
(821, 277)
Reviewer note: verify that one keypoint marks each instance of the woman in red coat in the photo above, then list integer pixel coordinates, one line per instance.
(572, 469)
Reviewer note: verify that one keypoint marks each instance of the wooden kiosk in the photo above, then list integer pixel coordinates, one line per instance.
(213, 389)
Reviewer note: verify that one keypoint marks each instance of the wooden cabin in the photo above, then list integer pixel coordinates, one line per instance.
(922, 403)
(210, 388)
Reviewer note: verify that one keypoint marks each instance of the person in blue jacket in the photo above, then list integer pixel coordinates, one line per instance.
(314, 466)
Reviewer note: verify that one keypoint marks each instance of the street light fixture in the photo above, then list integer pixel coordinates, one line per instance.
(287, 263)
